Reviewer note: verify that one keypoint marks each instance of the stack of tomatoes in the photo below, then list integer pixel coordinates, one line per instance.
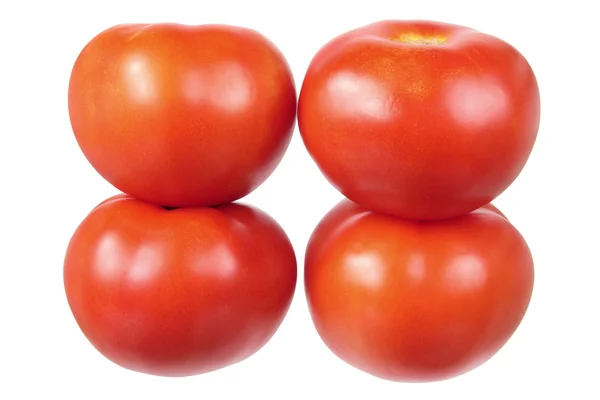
(421, 125)
(414, 277)
(169, 278)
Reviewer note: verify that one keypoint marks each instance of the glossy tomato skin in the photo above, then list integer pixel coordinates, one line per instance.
(416, 301)
(178, 292)
(419, 119)
(182, 115)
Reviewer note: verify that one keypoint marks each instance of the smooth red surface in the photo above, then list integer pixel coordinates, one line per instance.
(182, 115)
(178, 292)
(420, 131)
(416, 301)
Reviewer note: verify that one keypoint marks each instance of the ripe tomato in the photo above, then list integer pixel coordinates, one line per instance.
(178, 292)
(416, 301)
(182, 115)
(417, 119)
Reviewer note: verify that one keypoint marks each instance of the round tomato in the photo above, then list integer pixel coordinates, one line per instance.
(178, 292)
(418, 119)
(416, 301)
(182, 115)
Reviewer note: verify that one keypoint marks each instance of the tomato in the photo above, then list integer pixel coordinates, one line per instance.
(416, 301)
(182, 115)
(419, 119)
(178, 292)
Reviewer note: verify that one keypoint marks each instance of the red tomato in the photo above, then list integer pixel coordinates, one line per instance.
(420, 120)
(182, 115)
(416, 301)
(178, 292)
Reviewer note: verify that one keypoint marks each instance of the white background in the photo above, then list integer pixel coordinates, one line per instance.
(47, 187)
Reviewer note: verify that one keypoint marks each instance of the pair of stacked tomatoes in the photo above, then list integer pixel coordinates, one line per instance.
(414, 277)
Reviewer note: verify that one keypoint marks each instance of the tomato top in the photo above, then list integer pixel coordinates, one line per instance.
(182, 115)
(421, 120)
